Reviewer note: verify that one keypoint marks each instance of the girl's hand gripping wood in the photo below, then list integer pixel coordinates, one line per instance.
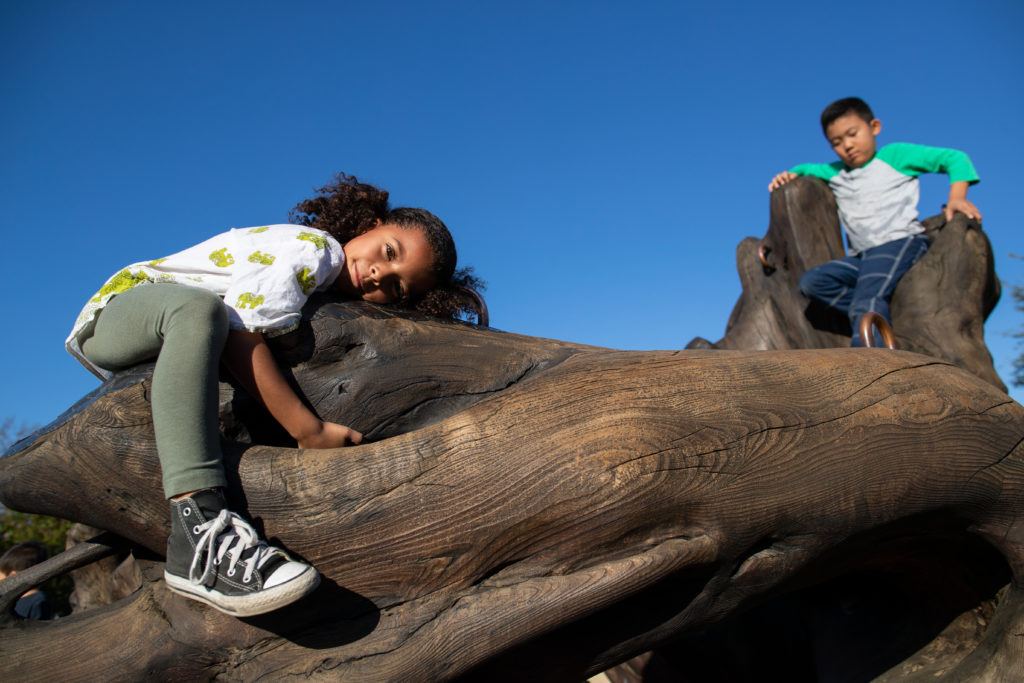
(249, 359)
(331, 435)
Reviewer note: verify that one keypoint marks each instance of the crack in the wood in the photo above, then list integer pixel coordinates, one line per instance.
(391, 421)
(671, 446)
(728, 445)
(404, 388)
(808, 425)
(998, 405)
(837, 417)
(894, 371)
(338, 342)
(709, 467)
(681, 467)
(997, 463)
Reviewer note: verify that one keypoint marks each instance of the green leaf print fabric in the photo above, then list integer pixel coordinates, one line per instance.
(265, 274)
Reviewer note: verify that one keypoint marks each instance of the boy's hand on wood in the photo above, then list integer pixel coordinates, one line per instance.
(780, 180)
(964, 206)
(331, 435)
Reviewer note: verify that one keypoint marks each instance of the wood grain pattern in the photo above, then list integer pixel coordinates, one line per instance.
(541, 509)
(938, 309)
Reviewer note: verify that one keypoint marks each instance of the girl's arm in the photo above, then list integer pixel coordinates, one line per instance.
(249, 359)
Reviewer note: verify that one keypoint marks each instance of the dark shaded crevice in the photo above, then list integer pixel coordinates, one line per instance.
(496, 569)
(460, 401)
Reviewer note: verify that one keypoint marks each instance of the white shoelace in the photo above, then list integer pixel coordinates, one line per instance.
(234, 535)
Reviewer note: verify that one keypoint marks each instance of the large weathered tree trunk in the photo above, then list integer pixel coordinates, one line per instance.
(530, 508)
(939, 309)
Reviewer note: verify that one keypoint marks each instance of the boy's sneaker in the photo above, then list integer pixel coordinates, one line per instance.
(216, 557)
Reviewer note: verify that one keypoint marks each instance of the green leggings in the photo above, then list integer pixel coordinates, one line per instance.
(185, 329)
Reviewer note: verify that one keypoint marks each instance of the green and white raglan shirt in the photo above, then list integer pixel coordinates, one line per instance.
(265, 275)
(878, 201)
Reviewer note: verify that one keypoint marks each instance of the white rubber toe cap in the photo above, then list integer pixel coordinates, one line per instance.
(287, 572)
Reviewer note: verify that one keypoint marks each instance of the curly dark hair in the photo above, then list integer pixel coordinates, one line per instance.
(346, 208)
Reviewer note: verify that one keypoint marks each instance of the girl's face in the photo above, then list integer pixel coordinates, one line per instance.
(387, 264)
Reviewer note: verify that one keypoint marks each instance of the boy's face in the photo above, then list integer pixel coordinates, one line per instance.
(387, 264)
(853, 139)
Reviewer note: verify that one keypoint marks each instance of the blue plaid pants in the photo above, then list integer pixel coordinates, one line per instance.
(857, 284)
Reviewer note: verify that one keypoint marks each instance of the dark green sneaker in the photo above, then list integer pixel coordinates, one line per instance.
(216, 557)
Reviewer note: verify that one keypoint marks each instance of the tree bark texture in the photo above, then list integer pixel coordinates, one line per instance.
(938, 309)
(531, 509)
(101, 583)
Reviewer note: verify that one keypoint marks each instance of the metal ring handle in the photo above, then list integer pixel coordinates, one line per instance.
(762, 255)
(872, 319)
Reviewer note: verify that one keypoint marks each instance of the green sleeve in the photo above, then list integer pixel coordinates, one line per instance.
(917, 159)
(823, 171)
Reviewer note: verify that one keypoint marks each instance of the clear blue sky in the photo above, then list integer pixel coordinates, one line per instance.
(598, 162)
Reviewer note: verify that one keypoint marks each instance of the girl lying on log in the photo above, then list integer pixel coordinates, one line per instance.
(219, 298)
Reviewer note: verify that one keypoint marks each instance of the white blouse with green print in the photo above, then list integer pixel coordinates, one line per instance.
(264, 274)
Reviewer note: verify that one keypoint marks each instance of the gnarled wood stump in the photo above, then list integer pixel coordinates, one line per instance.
(530, 508)
(939, 307)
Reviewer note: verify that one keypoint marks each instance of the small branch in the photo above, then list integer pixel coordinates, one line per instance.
(79, 555)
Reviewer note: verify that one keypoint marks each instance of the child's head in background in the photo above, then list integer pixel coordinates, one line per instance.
(20, 557)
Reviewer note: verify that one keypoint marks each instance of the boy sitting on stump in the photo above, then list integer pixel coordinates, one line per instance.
(877, 192)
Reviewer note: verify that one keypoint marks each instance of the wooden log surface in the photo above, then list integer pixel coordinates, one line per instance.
(938, 309)
(534, 508)
(771, 314)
